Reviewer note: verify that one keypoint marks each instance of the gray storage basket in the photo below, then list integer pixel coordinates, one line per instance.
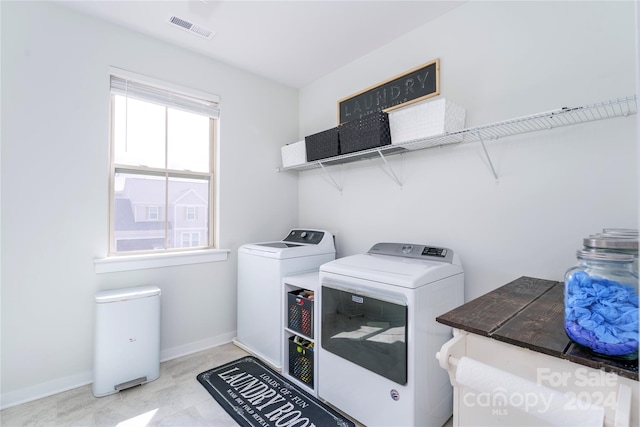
(322, 145)
(370, 131)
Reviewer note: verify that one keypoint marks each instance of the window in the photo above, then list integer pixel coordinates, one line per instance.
(190, 240)
(162, 157)
(153, 213)
(191, 212)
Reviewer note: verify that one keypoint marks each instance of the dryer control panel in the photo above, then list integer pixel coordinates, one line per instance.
(409, 250)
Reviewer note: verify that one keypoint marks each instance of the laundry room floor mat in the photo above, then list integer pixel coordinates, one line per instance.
(257, 396)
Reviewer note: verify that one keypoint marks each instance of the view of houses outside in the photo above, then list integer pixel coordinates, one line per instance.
(144, 221)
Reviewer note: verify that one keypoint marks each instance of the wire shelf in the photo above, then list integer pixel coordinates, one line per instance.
(620, 107)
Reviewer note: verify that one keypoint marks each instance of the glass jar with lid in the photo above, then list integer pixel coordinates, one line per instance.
(630, 233)
(615, 242)
(601, 304)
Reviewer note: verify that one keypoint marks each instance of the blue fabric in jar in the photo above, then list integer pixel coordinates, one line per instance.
(601, 314)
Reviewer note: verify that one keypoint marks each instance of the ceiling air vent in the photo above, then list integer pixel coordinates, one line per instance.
(191, 27)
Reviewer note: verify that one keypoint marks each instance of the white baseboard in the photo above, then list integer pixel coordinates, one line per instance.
(49, 388)
(263, 358)
(194, 347)
(45, 389)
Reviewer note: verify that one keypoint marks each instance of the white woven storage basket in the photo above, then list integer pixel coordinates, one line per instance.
(294, 154)
(425, 119)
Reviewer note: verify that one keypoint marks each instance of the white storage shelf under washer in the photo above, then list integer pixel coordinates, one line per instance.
(620, 107)
(306, 281)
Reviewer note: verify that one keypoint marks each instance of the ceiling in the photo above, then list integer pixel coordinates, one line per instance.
(291, 42)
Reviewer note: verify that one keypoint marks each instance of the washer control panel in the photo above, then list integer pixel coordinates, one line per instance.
(409, 250)
(431, 251)
(310, 237)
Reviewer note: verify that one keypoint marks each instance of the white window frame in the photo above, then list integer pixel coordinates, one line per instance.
(153, 213)
(173, 256)
(189, 238)
(191, 213)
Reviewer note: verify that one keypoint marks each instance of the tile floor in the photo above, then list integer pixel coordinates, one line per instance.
(174, 399)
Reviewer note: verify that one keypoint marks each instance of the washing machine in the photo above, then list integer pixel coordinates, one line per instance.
(261, 267)
(379, 335)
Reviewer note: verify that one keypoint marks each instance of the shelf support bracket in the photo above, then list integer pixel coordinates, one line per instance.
(333, 181)
(486, 153)
(390, 169)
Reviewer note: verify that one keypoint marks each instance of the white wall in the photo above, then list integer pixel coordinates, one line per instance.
(500, 60)
(55, 110)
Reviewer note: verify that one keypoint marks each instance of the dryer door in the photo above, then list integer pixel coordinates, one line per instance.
(367, 329)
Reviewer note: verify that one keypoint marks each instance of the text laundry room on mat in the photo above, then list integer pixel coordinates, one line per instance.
(255, 395)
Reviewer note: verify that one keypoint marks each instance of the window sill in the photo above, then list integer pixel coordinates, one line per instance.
(140, 262)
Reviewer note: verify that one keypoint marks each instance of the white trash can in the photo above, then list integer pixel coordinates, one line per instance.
(127, 339)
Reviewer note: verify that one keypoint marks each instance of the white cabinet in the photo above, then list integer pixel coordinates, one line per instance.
(300, 331)
(507, 385)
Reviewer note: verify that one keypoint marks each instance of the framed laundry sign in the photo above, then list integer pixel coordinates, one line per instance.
(412, 86)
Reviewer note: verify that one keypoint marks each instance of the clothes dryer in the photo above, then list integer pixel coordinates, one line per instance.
(379, 335)
(261, 267)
